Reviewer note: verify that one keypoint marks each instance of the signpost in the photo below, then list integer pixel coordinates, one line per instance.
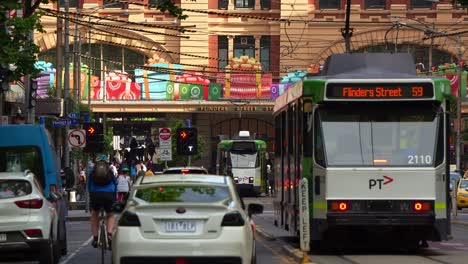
(76, 138)
(165, 143)
(304, 223)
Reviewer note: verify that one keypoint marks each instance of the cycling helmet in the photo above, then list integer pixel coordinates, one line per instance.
(102, 157)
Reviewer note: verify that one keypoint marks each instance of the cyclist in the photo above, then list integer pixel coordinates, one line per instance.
(101, 195)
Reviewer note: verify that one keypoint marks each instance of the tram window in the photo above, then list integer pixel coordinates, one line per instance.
(375, 136)
(318, 143)
(307, 135)
(440, 142)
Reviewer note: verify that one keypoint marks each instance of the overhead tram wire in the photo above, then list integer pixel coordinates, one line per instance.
(179, 71)
(110, 33)
(120, 27)
(175, 28)
(158, 69)
(221, 13)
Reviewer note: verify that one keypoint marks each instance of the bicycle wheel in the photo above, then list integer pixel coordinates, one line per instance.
(102, 240)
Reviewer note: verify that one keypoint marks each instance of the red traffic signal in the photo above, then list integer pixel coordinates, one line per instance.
(91, 130)
(183, 134)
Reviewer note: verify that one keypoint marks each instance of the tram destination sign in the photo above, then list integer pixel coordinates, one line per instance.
(370, 91)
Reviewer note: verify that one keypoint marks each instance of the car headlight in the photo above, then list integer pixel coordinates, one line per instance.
(463, 195)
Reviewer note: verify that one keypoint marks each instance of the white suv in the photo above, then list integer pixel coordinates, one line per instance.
(28, 220)
(185, 218)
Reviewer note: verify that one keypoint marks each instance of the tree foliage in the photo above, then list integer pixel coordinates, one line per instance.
(19, 50)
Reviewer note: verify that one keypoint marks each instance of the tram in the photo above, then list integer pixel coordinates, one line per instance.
(371, 138)
(244, 159)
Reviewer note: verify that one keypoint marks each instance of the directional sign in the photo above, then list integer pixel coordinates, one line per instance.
(304, 227)
(76, 138)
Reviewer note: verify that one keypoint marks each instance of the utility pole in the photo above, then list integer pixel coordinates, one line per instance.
(459, 99)
(66, 79)
(347, 32)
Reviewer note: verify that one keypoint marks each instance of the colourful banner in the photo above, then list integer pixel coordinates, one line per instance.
(154, 84)
(120, 87)
(246, 85)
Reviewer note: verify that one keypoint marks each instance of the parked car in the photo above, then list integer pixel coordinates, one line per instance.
(462, 194)
(29, 221)
(186, 170)
(185, 218)
(32, 147)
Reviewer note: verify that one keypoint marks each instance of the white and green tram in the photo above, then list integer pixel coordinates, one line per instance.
(371, 139)
(244, 159)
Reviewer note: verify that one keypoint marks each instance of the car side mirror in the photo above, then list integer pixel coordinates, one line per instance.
(254, 208)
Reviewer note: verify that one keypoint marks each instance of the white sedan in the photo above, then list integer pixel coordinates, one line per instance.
(185, 218)
(28, 220)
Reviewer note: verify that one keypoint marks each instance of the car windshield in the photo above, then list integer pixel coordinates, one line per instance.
(14, 188)
(372, 136)
(18, 159)
(464, 184)
(184, 194)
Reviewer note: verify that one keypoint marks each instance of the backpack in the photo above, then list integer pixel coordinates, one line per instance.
(102, 175)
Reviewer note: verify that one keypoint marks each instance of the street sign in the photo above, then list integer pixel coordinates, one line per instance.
(304, 227)
(75, 121)
(73, 115)
(61, 123)
(165, 143)
(165, 135)
(77, 138)
(165, 154)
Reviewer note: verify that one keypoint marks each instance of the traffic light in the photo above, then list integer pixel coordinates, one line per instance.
(5, 75)
(94, 137)
(187, 141)
(32, 94)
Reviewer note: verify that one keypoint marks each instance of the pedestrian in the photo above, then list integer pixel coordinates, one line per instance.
(123, 185)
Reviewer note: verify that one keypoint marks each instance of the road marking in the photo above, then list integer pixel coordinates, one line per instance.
(77, 250)
(451, 244)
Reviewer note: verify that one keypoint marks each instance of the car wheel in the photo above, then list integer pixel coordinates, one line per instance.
(47, 253)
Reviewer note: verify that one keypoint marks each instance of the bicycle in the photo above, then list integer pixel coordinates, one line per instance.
(103, 242)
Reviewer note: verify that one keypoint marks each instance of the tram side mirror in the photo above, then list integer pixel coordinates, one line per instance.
(254, 208)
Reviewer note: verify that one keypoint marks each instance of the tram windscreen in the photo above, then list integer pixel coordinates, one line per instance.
(372, 136)
(243, 155)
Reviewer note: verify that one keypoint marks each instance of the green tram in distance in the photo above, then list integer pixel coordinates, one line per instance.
(371, 138)
(244, 159)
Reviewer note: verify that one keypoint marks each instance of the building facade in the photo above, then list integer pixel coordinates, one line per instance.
(281, 36)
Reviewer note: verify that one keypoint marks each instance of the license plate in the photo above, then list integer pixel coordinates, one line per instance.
(181, 227)
(244, 179)
(3, 237)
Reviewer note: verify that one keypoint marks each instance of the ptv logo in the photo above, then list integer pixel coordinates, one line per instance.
(377, 183)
